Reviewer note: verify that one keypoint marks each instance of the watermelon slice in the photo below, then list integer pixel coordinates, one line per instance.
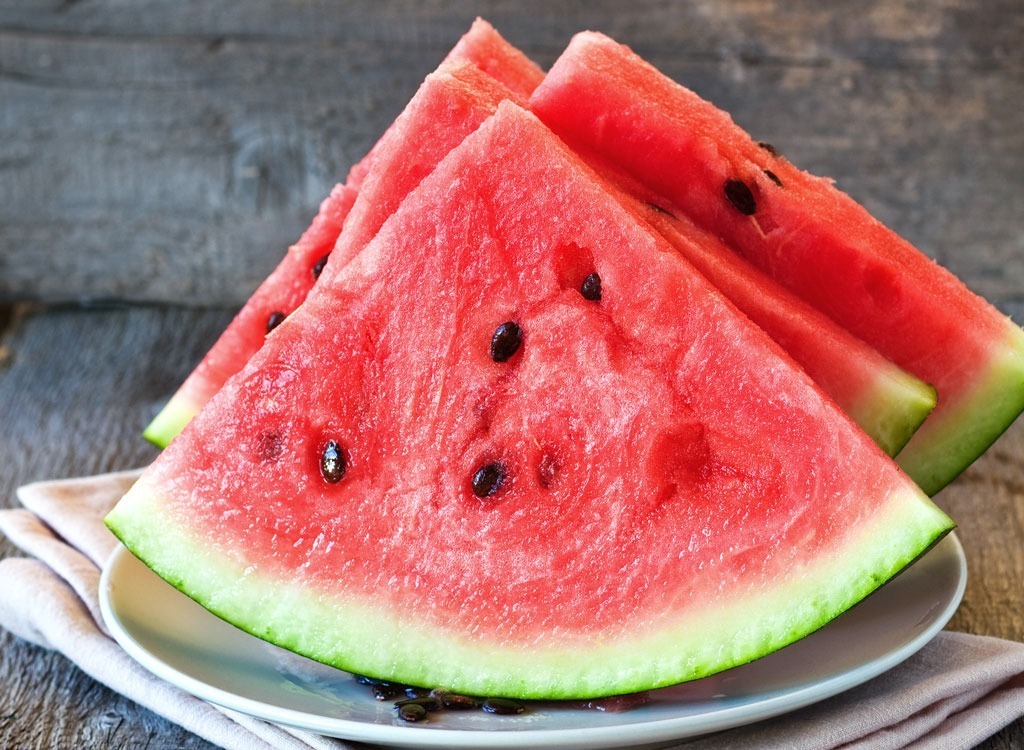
(287, 286)
(805, 234)
(888, 403)
(518, 446)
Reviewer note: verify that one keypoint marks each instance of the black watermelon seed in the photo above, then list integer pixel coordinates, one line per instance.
(739, 195)
(591, 288)
(381, 690)
(332, 462)
(488, 479)
(455, 701)
(384, 692)
(768, 147)
(506, 341)
(276, 318)
(429, 703)
(503, 706)
(417, 692)
(411, 712)
(773, 177)
(319, 267)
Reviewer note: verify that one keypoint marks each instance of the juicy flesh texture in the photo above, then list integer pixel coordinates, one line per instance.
(887, 402)
(805, 234)
(658, 470)
(449, 105)
(485, 48)
(457, 98)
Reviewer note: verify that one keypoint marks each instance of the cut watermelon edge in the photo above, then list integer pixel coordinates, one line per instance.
(893, 408)
(902, 530)
(171, 420)
(1000, 391)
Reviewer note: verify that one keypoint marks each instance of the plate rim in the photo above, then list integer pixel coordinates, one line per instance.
(606, 736)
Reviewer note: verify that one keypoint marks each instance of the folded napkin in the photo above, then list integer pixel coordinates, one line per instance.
(954, 693)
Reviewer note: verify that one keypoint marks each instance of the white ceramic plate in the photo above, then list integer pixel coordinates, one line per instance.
(181, 642)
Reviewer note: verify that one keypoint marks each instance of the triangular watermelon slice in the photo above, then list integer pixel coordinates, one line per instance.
(804, 233)
(456, 464)
(287, 286)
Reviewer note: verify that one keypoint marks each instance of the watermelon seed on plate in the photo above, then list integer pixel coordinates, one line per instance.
(332, 462)
(429, 703)
(411, 712)
(488, 479)
(505, 341)
(319, 267)
(739, 195)
(276, 318)
(591, 288)
(503, 706)
(384, 692)
(773, 177)
(382, 689)
(455, 701)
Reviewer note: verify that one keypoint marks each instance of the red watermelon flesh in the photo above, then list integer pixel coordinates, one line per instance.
(413, 144)
(642, 492)
(888, 403)
(451, 103)
(804, 233)
(485, 48)
(488, 50)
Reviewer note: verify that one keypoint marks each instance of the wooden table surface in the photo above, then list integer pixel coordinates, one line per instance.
(157, 157)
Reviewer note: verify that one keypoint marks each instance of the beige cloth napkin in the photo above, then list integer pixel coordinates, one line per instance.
(954, 693)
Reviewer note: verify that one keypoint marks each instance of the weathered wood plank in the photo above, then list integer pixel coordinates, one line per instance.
(886, 31)
(76, 387)
(183, 180)
(157, 157)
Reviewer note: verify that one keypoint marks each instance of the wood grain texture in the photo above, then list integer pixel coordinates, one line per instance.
(76, 388)
(165, 153)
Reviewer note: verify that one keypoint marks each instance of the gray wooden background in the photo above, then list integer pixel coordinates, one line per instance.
(156, 158)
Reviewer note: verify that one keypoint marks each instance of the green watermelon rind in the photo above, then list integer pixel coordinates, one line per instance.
(171, 420)
(893, 408)
(998, 393)
(903, 528)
